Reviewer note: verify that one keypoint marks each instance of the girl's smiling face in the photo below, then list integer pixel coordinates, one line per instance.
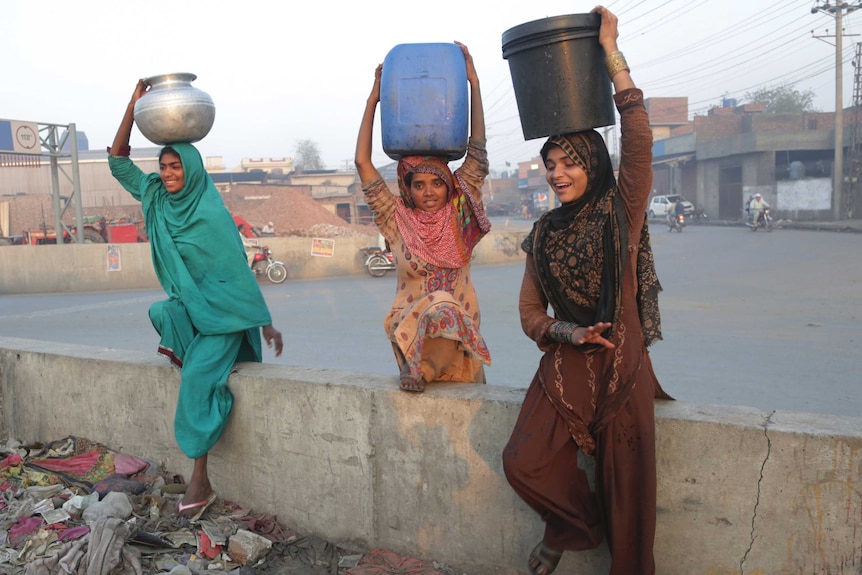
(568, 179)
(429, 192)
(172, 173)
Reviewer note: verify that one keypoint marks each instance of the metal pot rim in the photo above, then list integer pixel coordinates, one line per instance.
(177, 76)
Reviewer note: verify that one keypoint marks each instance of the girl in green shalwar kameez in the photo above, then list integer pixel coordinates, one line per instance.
(214, 313)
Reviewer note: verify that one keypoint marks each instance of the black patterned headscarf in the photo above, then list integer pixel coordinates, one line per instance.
(586, 149)
(579, 248)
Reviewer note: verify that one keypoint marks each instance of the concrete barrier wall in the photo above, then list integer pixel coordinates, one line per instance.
(86, 267)
(349, 457)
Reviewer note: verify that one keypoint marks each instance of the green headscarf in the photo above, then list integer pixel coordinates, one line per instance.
(197, 251)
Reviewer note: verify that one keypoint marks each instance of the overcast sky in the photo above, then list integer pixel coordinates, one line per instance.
(280, 72)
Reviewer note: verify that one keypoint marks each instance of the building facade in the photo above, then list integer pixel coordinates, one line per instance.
(719, 160)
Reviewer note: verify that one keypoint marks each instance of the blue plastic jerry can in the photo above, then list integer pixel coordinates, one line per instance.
(424, 104)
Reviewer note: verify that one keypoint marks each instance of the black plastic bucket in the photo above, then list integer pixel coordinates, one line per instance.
(559, 76)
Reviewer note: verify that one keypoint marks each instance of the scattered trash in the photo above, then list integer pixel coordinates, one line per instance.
(70, 505)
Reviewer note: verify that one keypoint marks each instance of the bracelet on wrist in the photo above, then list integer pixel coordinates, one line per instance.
(563, 331)
(615, 63)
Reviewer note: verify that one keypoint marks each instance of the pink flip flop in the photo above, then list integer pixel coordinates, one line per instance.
(201, 506)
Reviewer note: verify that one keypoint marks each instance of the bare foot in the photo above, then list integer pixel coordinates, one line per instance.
(197, 492)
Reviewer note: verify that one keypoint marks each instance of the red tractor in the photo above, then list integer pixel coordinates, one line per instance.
(97, 230)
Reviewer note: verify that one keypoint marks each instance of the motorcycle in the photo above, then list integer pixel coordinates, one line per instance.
(676, 223)
(263, 264)
(698, 216)
(762, 220)
(377, 261)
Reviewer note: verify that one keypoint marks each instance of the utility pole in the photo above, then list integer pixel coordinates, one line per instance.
(837, 10)
(854, 172)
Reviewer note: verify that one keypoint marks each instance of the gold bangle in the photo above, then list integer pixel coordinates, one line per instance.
(615, 62)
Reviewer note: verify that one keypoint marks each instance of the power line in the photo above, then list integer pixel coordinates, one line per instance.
(760, 39)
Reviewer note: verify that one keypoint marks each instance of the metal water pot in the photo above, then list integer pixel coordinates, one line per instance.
(173, 110)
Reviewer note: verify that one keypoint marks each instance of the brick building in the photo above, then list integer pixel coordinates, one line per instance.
(719, 160)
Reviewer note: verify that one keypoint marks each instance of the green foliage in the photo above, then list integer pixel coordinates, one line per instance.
(307, 156)
(783, 99)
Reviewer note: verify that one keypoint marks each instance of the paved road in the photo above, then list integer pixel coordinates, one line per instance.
(772, 321)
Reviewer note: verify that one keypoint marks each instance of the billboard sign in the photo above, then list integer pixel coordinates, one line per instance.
(19, 137)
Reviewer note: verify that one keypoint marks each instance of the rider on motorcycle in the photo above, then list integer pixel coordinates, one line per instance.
(674, 210)
(757, 205)
(251, 245)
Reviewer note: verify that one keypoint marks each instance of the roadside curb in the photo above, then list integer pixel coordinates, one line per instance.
(847, 226)
(823, 227)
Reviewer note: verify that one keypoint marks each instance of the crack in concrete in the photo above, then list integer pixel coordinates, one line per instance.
(766, 423)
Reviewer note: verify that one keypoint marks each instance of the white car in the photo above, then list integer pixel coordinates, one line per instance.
(658, 205)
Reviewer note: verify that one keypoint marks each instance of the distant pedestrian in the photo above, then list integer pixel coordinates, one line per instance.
(215, 311)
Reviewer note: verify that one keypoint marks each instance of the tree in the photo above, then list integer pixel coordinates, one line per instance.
(783, 99)
(307, 156)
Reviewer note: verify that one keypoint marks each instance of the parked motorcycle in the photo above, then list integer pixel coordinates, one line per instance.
(763, 220)
(676, 223)
(377, 261)
(698, 216)
(263, 264)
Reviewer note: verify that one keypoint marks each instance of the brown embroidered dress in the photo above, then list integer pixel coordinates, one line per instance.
(592, 262)
(434, 321)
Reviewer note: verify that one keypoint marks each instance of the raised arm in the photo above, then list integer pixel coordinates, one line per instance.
(120, 147)
(617, 67)
(367, 171)
(635, 173)
(475, 166)
(122, 168)
(477, 112)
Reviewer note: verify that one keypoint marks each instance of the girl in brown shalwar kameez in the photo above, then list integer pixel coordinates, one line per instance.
(591, 261)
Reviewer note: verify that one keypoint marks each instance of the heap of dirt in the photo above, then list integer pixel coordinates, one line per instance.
(293, 213)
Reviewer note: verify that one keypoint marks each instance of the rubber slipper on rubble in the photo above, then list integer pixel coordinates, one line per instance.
(198, 507)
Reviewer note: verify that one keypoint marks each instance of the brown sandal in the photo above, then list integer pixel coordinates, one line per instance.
(410, 383)
(543, 560)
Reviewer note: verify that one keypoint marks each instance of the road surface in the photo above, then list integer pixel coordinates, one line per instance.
(767, 320)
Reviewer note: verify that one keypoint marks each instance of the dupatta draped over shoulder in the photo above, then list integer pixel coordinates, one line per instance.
(579, 249)
(444, 238)
(581, 255)
(435, 297)
(214, 311)
(197, 252)
(590, 261)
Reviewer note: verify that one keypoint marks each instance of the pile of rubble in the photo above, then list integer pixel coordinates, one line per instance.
(75, 506)
(331, 231)
(292, 213)
(295, 214)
